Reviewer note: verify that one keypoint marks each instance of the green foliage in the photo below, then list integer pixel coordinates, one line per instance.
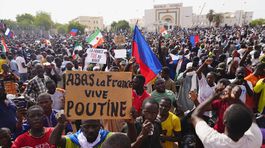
(257, 22)
(25, 19)
(122, 24)
(43, 20)
(218, 19)
(210, 16)
(77, 25)
(61, 28)
(10, 23)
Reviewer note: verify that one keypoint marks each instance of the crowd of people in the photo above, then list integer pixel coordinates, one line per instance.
(209, 94)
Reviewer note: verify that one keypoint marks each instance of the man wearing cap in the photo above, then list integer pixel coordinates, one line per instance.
(188, 79)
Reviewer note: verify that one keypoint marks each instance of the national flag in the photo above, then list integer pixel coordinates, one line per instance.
(9, 33)
(73, 32)
(194, 39)
(96, 39)
(4, 46)
(164, 32)
(149, 64)
(78, 48)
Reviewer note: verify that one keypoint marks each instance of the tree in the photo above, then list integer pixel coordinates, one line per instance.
(10, 24)
(77, 25)
(25, 19)
(43, 20)
(210, 16)
(120, 25)
(218, 19)
(257, 22)
(113, 26)
(61, 28)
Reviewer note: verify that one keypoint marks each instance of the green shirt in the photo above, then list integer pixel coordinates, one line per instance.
(158, 96)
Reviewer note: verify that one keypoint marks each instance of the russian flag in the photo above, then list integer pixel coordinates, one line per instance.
(194, 39)
(9, 33)
(73, 32)
(149, 64)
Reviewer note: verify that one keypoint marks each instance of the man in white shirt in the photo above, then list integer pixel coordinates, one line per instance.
(22, 68)
(240, 130)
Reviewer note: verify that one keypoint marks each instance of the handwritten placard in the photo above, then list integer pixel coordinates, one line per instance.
(98, 95)
(96, 56)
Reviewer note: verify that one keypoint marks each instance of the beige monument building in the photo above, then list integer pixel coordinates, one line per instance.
(91, 22)
(167, 15)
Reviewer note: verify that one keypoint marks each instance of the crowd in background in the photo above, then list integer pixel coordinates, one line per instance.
(208, 94)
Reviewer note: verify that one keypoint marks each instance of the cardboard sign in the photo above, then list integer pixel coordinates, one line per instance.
(96, 56)
(120, 53)
(119, 40)
(98, 95)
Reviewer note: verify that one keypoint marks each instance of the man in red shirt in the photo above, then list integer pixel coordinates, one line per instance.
(139, 94)
(229, 96)
(37, 136)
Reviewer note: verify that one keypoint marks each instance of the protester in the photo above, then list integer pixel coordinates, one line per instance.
(260, 88)
(169, 83)
(22, 68)
(139, 93)
(161, 91)
(5, 138)
(148, 128)
(57, 95)
(7, 111)
(36, 85)
(37, 136)
(171, 127)
(117, 140)
(234, 53)
(90, 135)
(240, 130)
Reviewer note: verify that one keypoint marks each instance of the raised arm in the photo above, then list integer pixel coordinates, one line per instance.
(56, 136)
(203, 66)
(242, 61)
(198, 112)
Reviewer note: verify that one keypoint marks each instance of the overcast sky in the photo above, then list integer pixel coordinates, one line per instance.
(63, 11)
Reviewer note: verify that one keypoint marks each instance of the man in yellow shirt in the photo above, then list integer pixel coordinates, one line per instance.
(171, 126)
(260, 87)
(2, 61)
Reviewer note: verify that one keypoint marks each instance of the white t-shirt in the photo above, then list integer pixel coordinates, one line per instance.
(212, 139)
(205, 91)
(19, 61)
(57, 100)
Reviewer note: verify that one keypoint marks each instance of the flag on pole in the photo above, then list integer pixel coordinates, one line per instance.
(194, 39)
(4, 46)
(73, 32)
(164, 32)
(9, 33)
(149, 64)
(96, 39)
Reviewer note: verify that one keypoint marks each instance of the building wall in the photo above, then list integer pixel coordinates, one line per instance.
(169, 15)
(149, 20)
(239, 17)
(186, 17)
(91, 23)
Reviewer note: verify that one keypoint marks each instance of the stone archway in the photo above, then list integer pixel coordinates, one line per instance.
(167, 20)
